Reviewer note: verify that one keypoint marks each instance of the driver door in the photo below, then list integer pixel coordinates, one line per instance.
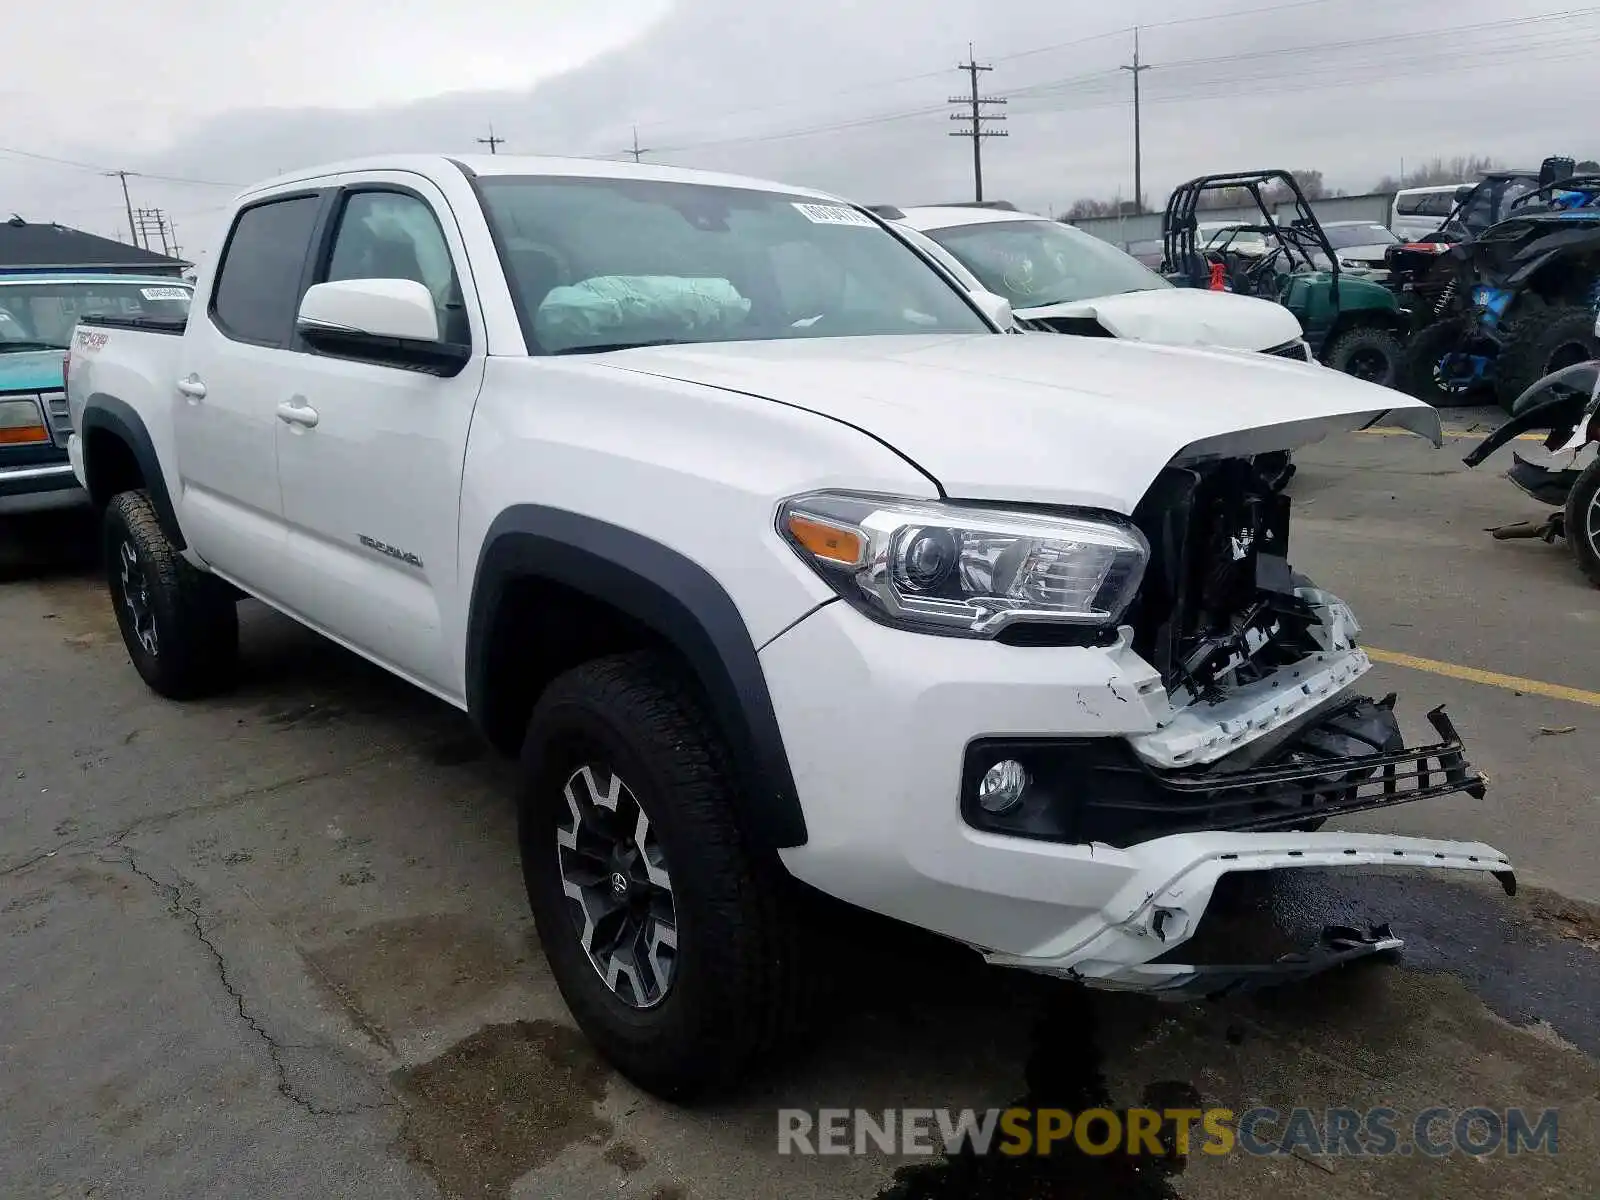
(370, 455)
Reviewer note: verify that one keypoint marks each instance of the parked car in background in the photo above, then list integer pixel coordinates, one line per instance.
(1060, 278)
(1147, 252)
(739, 523)
(1232, 236)
(1419, 212)
(1362, 247)
(37, 315)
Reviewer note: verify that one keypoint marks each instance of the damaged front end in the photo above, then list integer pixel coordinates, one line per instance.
(1257, 743)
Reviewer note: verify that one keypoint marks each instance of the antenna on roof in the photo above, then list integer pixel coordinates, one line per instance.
(17, 220)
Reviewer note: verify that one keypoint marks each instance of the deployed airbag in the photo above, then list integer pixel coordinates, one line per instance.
(628, 308)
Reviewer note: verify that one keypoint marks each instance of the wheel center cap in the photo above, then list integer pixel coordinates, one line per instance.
(619, 883)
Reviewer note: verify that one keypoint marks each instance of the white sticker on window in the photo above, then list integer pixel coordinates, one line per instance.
(164, 293)
(832, 214)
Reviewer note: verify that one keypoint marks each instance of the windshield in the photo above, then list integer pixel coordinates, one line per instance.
(40, 316)
(600, 264)
(1340, 236)
(1034, 262)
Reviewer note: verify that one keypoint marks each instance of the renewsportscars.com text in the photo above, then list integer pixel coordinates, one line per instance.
(1344, 1132)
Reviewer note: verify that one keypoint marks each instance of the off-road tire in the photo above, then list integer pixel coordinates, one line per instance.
(1351, 345)
(1534, 341)
(195, 616)
(1418, 363)
(742, 978)
(1582, 516)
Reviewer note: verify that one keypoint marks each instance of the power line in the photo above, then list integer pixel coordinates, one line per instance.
(491, 141)
(1136, 67)
(101, 169)
(809, 98)
(1102, 81)
(976, 130)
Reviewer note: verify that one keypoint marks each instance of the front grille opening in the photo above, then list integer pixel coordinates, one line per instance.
(1217, 602)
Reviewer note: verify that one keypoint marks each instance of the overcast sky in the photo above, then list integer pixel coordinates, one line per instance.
(832, 93)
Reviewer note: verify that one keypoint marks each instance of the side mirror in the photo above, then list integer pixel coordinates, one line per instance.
(1462, 192)
(388, 321)
(997, 309)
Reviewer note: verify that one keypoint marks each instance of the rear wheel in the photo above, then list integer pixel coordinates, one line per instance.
(180, 625)
(674, 942)
(1546, 339)
(1582, 521)
(1428, 365)
(1368, 352)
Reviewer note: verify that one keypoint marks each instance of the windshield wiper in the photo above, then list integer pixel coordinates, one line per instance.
(607, 347)
(8, 347)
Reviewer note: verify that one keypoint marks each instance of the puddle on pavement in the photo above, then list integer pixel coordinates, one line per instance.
(499, 1104)
(396, 976)
(1063, 1071)
(1531, 960)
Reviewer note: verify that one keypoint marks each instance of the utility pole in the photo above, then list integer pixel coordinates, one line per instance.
(1138, 153)
(977, 117)
(126, 203)
(153, 220)
(637, 152)
(491, 141)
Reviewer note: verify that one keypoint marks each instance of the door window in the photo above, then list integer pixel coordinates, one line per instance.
(258, 282)
(393, 235)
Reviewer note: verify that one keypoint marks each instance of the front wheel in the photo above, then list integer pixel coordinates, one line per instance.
(1582, 521)
(1368, 352)
(674, 942)
(180, 625)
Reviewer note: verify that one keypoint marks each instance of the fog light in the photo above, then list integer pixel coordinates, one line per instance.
(1002, 786)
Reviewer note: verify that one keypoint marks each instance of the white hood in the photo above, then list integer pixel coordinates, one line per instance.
(1184, 317)
(1048, 420)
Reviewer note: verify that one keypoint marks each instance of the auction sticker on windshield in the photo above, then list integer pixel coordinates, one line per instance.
(832, 214)
(164, 293)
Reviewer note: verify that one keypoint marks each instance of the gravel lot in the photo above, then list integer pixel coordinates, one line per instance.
(276, 944)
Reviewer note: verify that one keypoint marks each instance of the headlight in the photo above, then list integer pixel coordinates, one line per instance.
(965, 569)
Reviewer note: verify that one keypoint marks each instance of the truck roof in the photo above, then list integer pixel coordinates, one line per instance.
(434, 165)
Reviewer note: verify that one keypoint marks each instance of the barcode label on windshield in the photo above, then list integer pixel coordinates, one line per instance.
(164, 293)
(832, 214)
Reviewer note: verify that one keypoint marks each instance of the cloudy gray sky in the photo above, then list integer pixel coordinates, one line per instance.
(200, 97)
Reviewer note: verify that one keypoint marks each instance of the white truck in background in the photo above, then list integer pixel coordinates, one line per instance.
(777, 564)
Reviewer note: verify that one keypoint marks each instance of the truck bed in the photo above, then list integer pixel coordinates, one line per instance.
(167, 325)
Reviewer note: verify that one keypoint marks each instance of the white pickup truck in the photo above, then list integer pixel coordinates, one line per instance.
(777, 563)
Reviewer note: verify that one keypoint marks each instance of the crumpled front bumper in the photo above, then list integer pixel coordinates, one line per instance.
(1161, 906)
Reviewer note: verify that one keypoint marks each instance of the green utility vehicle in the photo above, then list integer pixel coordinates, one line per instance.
(1352, 324)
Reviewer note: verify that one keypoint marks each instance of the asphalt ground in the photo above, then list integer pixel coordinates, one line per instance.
(276, 944)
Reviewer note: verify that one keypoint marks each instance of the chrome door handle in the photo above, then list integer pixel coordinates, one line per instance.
(292, 413)
(192, 388)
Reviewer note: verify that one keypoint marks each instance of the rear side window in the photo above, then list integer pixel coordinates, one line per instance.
(258, 283)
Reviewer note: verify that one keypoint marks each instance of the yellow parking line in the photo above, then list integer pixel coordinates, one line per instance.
(1511, 683)
(1386, 431)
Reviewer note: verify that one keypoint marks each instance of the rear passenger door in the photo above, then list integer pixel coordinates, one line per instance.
(372, 485)
(228, 388)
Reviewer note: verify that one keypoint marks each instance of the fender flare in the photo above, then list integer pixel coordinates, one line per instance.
(116, 417)
(678, 600)
(1560, 413)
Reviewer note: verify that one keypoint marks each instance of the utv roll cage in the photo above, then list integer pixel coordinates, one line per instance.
(1299, 241)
